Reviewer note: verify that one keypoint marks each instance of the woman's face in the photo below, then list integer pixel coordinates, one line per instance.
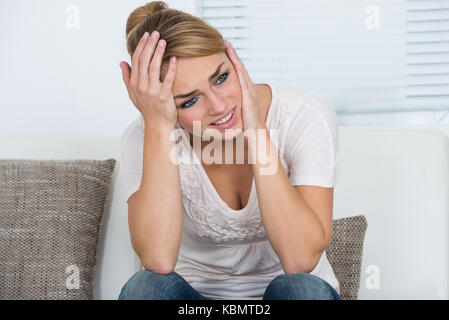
(207, 89)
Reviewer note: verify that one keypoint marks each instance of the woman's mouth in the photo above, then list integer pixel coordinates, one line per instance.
(226, 122)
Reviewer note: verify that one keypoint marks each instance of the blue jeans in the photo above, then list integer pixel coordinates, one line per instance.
(148, 285)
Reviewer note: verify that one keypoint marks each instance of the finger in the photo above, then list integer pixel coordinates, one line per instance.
(145, 58)
(232, 54)
(155, 66)
(135, 59)
(126, 72)
(238, 68)
(236, 60)
(170, 76)
(243, 82)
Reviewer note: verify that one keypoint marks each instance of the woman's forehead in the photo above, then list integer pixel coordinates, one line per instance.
(191, 71)
(201, 64)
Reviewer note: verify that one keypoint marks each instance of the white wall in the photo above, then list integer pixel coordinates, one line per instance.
(59, 63)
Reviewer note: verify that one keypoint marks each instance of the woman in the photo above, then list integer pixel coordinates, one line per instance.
(222, 229)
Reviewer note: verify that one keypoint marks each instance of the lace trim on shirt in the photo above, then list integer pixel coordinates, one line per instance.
(207, 217)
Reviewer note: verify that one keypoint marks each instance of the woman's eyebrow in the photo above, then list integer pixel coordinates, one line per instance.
(211, 78)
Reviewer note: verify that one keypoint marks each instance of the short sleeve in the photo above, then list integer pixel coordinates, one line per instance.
(131, 157)
(313, 135)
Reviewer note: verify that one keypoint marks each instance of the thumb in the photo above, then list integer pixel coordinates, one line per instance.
(126, 72)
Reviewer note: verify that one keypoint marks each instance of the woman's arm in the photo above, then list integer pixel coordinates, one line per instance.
(292, 226)
(155, 211)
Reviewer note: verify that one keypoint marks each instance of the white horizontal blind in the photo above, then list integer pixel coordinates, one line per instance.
(361, 56)
(428, 53)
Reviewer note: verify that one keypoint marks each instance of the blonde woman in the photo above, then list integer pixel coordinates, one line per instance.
(223, 229)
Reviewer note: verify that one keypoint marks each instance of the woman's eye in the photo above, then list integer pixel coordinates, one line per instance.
(192, 101)
(225, 75)
(187, 104)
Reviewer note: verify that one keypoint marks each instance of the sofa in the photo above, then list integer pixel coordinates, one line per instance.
(397, 178)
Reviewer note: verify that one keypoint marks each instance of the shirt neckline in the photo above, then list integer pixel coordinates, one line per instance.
(229, 211)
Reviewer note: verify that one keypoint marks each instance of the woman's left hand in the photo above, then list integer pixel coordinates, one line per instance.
(250, 99)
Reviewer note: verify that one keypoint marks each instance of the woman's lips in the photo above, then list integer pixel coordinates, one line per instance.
(227, 114)
(229, 123)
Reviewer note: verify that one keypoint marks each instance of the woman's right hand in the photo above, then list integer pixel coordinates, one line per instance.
(151, 97)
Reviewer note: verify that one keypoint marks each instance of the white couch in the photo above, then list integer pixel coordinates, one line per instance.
(397, 177)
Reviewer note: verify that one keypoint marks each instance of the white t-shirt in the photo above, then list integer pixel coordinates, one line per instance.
(225, 253)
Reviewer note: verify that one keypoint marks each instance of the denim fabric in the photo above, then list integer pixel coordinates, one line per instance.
(148, 285)
(299, 286)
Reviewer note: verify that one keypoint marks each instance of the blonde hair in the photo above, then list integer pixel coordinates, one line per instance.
(186, 35)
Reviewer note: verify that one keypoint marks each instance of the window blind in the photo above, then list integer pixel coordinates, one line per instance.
(361, 56)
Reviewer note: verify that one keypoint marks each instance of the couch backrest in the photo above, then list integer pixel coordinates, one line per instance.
(398, 179)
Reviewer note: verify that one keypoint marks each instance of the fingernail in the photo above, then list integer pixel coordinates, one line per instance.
(145, 35)
(154, 34)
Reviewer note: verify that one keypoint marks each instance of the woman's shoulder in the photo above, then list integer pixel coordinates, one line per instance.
(303, 117)
(288, 93)
(295, 96)
(298, 106)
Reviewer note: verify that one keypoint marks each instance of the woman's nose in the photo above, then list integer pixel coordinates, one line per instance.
(217, 106)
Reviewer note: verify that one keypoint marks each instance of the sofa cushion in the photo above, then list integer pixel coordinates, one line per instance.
(344, 253)
(50, 216)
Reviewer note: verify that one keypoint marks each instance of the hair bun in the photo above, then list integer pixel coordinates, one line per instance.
(155, 6)
(143, 12)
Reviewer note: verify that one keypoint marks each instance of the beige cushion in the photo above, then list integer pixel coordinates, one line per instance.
(50, 216)
(344, 253)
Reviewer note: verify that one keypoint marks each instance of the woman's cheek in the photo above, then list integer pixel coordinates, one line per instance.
(188, 118)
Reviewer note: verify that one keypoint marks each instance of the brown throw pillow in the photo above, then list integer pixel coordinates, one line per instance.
(50, 216)
(344, 253)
